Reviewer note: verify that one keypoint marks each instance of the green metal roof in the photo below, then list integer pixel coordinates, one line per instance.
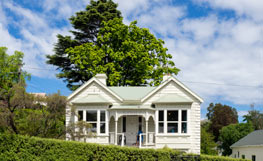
(173, 98)
(132, 93)
(253, 139)
(91, 98)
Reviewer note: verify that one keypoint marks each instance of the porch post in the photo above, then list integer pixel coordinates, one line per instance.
(116, 130)
(146, 138)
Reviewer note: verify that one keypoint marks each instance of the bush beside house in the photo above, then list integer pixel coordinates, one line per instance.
(16, 147)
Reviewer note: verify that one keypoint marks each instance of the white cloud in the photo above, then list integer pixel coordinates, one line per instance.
(249, 8)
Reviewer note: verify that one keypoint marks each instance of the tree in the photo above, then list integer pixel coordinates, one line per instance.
(86, 24)
(232, 133)
(254, 117)
(207, 140)
(220, 116)
(129, 55)
(12, 87)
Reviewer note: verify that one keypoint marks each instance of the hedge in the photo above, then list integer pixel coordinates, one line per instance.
(16, 147)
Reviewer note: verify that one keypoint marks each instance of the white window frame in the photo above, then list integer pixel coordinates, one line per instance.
(179, 121)
(101, 122)
(94, 122)
(163, 122)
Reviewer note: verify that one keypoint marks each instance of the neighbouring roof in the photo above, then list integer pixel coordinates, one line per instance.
(253, 139)
(91, 98)
(171, 98)
(132, 93)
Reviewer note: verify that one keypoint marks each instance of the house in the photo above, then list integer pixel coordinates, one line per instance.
(249, 147)
(166, 115)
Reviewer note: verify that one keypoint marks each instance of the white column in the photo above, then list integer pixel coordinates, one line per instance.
(116, 131)
(146, 139)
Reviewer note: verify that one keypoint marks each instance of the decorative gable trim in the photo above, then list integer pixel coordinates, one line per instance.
(178, 83)
(81, 88)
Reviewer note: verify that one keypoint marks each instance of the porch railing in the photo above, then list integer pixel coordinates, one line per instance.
(119, 135)
(146, 139)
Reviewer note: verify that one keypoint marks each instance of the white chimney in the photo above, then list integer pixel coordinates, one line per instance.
(166, 77)
(102, 78)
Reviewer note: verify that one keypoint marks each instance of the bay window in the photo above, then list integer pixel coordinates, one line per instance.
(172, 121)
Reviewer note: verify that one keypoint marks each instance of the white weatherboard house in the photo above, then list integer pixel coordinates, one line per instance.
(249, 147)
(167, 115)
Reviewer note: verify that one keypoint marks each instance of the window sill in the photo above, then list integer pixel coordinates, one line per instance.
(174, 134)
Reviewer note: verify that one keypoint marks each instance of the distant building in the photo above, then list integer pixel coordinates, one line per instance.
(249, 147)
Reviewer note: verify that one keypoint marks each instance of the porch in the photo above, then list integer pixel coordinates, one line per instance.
(132, 128)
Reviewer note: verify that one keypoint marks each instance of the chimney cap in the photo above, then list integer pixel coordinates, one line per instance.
(101, 75)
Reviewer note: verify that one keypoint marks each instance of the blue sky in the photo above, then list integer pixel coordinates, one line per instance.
(218, 45)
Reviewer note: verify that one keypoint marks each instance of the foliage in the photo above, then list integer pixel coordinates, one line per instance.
(79, 130)
(129, 55)
(232, 133)
(12, 88)
(256, 118)
(207, 142)
(220, 116)
(15, 147)
(86, 24)
(219, 158)
(35, 116)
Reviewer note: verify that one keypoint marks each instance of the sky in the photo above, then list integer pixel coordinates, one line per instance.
(217, 45)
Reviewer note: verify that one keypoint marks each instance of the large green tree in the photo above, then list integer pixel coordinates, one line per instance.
(86, 26)
(208, 145)
(129, 55)
(254, 117)
(232, 133)
(12, 87)
(220, 116)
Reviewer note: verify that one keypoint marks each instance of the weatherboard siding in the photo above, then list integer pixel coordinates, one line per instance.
(248, 152)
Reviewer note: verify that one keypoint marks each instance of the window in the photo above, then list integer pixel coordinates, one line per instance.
(253, 158)
(91, 118)
(80, 115)
(102, 122)
(184, 121)
(124, 124)
(243, 156)
(161, 122)
(172, 121)
(238, 154)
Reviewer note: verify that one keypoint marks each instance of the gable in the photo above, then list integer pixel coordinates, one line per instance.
(174, 87)
(93, 87)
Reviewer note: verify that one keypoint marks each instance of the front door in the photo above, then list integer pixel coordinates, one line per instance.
(133, 124)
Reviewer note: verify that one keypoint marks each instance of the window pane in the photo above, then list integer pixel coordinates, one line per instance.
(91, 116)
(80, 115)
(124, 124)
(102, 128)
(161, 130)
(161, 115)
(172, 127)
(172, 115)
(253, 158)
(184, 115)
(102, 115)
(184, 127)
(94, 127)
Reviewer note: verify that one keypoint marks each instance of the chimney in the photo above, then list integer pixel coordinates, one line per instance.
(102, 78)
(166, 77)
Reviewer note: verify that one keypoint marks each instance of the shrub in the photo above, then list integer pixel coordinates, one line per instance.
(16, 147)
